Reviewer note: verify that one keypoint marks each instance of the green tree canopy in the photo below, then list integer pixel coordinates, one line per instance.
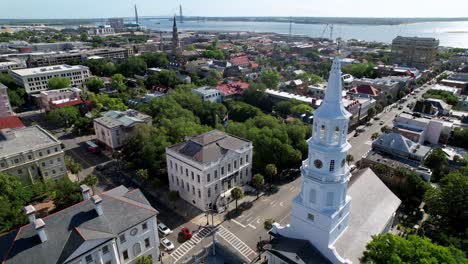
(105, 102)
(165, 77)
(239, 111)
(58, 83)
(118, 82)
(13, 197)
(360, 70)
(459, 137)
(155, 59)
(270, 78)
(94, 84)
(133, 66)
(388, 248)
(437, 161)
(65, 116)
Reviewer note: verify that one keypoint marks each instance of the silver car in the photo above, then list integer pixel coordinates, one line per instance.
(167, 244)
(163, 229)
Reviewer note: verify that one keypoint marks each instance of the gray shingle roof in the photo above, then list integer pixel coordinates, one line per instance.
(372, 206)
(297, 251)
(210, 146)
(78, 228)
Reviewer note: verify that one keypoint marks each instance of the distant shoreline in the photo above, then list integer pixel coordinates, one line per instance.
(296, 20)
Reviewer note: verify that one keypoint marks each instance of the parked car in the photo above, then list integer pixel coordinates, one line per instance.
(167, 244)
(356, 134)
(381, 123)
(369, 124)
(163, 229)
(186, 233)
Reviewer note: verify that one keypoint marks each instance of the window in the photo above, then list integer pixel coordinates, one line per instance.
(322, 133)
(122, 238)
(56, 149)
(247, 158)
(313, 196)
(144, 226)
(177, 181)
(136, 249)
(89, 259)
(208, 177)
(16, 160)
(336, 135)
(105, 250)
(229, 167)
(188, 187)
(330, 197)
(216, 174)
(51, 161)
(318, 164)
(186, 172)
(198, 178)
(311, 217)
(235, 164)
(172, 178)
(48, 151)
(40, 153)
(108, 262)
(199, 193)
(58, 159)
(222, 170)
(241, 161)
(43, 164)
(332, 165)
(170, 162)
(20, 171)
(193, 176)
(29, 156)
(209, 192)
(125, 254)
(147, 243)
(176, 166)
(216, 188)
(241, 175)
(193, 190)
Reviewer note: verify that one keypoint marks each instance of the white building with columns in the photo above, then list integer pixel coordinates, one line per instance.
(204, 169)
(324, 213)
(116, 227)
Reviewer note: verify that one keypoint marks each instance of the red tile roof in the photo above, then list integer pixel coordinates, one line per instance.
(240, 61)
(366, 89)
(69, 103)
(233, 88)
(12, 121)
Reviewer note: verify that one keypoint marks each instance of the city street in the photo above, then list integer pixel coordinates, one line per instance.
(242, 232)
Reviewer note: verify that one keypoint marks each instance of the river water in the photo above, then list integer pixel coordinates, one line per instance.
(450, 34)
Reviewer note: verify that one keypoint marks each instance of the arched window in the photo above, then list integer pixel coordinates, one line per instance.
(136, 249)
(312, 196)
(322, 132)
(336, 135)
(330, 198)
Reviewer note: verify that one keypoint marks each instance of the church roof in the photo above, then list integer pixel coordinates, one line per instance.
(372, 207)
(299, 251)
(332, 106)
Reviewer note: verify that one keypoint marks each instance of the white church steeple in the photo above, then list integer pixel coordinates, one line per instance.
(320, 212)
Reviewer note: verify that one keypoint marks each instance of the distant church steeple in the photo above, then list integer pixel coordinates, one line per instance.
(175, 39)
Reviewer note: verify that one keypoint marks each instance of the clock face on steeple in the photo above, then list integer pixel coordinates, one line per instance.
(318, 163)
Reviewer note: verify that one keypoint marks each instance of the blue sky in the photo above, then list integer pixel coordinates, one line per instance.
(349, 8)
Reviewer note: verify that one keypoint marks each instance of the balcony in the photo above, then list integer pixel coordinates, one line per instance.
(322, 176)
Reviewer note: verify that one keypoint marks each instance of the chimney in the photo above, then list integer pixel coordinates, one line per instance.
(85, 191)
(97, 200)
(30, 213)
(40, 225)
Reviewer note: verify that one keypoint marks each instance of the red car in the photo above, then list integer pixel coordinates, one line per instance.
(186, 233)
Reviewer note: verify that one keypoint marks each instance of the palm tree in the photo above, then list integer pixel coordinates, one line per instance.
(349, 158)
(144, 260)
(258, 181)
(268, 225)
(91, 180)
(237, 194)
(271, 172)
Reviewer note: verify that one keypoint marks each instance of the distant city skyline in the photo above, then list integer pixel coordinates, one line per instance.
(55, 9)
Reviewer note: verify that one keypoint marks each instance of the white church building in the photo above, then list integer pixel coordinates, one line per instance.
(336, 213)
